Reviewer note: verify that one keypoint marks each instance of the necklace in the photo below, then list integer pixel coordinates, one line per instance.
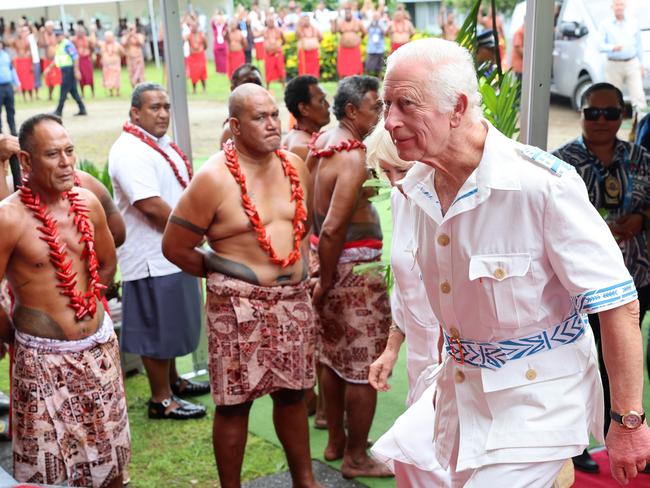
(349, 145)
(82, 303)
(131, 129)
(297, 194)
(298, 128)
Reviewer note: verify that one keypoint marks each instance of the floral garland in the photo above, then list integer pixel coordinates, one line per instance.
(83, 304)
(134, 131)
(328, 152)
(297, 195)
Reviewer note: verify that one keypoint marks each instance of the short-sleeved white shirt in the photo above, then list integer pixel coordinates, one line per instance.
(139, 172)
(519, 250)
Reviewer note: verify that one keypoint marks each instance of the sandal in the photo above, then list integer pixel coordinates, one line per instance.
(191, 388)
(156, 410)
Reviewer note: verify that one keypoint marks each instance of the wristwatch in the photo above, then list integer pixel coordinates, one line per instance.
(629, 420)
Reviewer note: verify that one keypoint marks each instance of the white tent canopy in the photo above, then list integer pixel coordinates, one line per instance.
(26, 4)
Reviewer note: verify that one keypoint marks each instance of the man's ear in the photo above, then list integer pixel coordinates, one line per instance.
(351, 111)
(303, 108)
(235, 128)
(25, 162)
(134, 114)
(459, 110)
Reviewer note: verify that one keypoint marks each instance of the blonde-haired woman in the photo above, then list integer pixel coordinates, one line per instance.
(413, 320)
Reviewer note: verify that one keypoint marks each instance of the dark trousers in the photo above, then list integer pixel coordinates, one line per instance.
(644, 303)
(69, 85)
(7, 101)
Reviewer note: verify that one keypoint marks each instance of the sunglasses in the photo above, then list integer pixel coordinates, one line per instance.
(610, 113)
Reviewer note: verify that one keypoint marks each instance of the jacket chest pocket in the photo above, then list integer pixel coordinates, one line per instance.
(504, 289)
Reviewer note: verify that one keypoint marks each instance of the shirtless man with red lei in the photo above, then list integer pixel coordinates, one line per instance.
(58, 255)
(353, 307)
(251, 203)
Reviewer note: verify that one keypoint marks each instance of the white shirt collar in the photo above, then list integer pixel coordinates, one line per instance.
(495, 170)
(498, 169)
(161, 141)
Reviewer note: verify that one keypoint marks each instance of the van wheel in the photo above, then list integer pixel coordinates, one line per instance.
(584, 82)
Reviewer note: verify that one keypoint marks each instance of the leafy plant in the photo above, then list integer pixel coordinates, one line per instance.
(100, 173)
(499, 91)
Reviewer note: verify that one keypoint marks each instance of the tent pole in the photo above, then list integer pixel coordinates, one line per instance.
(62, 15)
(154, 33)
(175, 65)
(536, 82)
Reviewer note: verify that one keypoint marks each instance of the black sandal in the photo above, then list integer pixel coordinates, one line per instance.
(191, 389)
(156, 410)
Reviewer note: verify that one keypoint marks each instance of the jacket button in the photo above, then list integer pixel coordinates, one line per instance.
(499, 273)
(531, 374)
(454, 333)
(445, 287)
(459, 376)
(443, 240)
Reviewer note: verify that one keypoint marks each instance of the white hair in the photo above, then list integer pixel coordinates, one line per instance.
(451, 73)
(380, 147)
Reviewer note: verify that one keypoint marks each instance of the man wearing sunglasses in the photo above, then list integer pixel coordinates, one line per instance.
(617, 176)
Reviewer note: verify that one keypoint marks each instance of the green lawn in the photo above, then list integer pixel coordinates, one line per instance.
(217, 88)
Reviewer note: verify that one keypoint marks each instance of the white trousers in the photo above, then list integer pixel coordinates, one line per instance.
(409, 476)
(627, 74)
(511, 475)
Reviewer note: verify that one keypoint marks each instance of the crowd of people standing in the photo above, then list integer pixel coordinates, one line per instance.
(502, 321)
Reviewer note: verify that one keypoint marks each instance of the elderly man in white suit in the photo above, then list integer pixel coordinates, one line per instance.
(512, 256)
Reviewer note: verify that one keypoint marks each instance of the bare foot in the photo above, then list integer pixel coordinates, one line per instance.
(367, 467)
(334, 451)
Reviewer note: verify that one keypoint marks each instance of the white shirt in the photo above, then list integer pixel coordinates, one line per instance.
(519, 250)
(625, 33)
(139, 172)
(409, 306)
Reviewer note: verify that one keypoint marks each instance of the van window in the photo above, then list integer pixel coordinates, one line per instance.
(573, 12)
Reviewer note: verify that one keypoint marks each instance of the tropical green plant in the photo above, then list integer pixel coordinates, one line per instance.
(500, 92)
(502, 6)
(100, 173)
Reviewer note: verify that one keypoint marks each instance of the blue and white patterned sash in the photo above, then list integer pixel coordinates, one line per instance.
(493, 355)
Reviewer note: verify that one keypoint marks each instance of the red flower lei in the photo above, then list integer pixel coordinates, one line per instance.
(131, 129)
(82, 303)
(349, 145)
(297, 194)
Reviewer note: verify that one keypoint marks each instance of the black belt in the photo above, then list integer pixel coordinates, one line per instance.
(5, 84)
(620, 60)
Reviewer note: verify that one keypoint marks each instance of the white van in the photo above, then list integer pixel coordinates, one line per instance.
(577, 60)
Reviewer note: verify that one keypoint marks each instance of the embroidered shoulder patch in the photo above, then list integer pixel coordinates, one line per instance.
(554, 164)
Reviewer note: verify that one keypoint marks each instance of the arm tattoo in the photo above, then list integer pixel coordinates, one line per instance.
(214, 262)
(187, 225)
